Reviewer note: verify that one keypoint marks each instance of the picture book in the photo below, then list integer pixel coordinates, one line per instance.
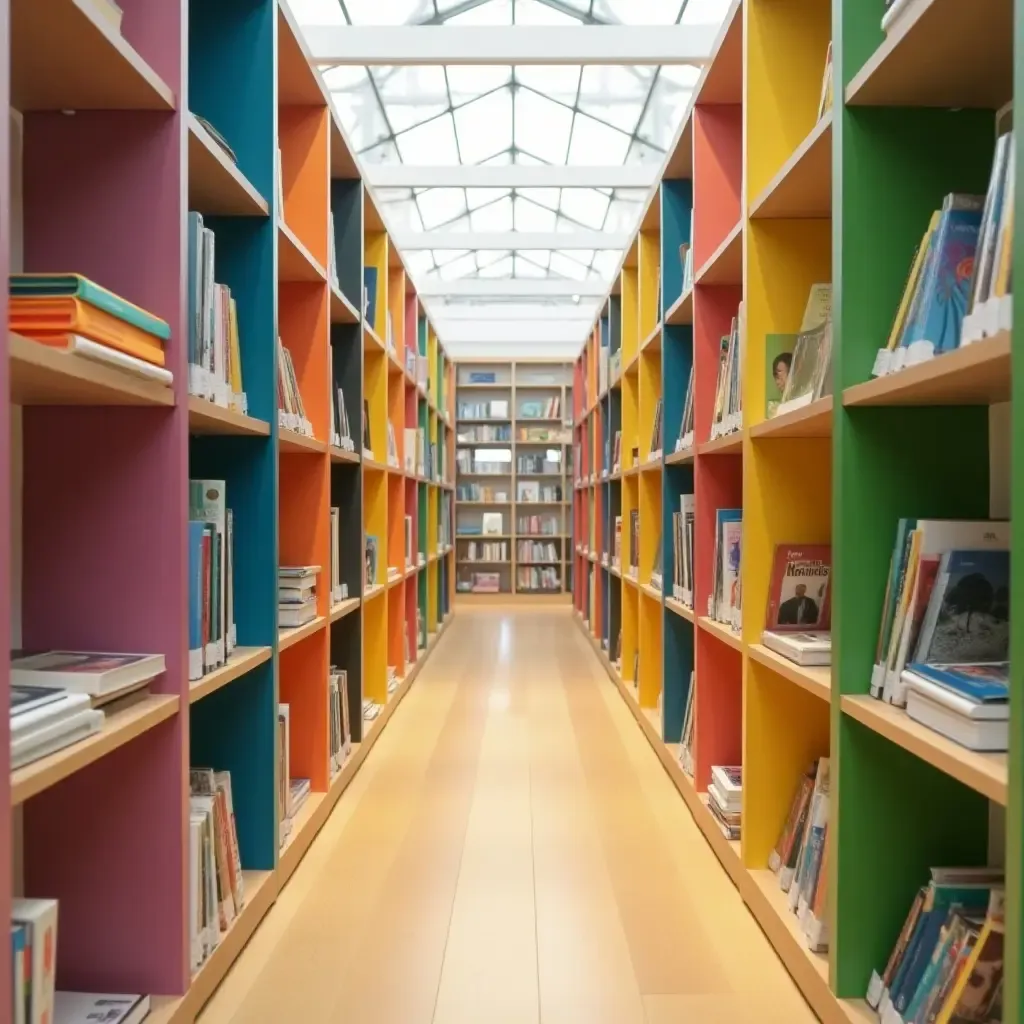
(810, 376)
(979, 682)
(798, 590)
(778, 361)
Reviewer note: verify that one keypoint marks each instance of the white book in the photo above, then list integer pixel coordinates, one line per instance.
(34, 718)
(809, 649)
(294, 615)
(92, 1007)
(91, 672)
(195, 901)
(98, 353)
(40, 918)
(972, 733)
(48, 739)
(993, 711)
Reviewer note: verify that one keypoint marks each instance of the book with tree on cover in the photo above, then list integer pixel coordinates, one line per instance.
(798, 590)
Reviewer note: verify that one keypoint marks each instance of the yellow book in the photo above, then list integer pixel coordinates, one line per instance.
(1001, 285)
(234, 350)
(980, 979)
(913, 558)
(912, 281)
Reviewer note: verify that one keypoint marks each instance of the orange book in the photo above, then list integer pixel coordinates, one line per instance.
(51, 320)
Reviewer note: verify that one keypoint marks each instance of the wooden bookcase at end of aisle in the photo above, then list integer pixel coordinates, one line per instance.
(99, 464)
(839, 471)
(513, 528)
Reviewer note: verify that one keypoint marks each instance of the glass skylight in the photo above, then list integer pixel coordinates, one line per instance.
(565, 115)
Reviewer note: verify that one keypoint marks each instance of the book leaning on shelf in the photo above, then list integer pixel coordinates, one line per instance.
(947, 962)
(291, 413)
(686, 761)
(340, 734)
(654, 455)
(80, 317)
(800, 857)
(682, 550)
(216, 883)
(341, 431)
(727, 416)
(798, 616)
(946, 606)
(211, 594)
(685, 438)
(725, 599)
(813, 343)
(214, 348)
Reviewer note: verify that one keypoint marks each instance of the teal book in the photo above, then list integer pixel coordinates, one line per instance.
(946, 286)
(74, 286)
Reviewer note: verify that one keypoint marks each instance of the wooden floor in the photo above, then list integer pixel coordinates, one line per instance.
(511, 852)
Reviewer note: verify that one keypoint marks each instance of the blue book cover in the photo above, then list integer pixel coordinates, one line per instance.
(946, 286)
(196, 529)
(370, 301)
(981, 682)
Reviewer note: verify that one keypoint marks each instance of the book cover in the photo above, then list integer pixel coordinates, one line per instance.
(982, 683)
(798, 590)
(778, 359)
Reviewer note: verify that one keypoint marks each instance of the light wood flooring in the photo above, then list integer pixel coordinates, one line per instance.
(511, 852)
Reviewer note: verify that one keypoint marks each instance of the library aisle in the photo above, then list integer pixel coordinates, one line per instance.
(511, 851)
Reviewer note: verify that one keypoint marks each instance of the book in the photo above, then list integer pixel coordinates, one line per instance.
(92, 1007)
(370, 296)
(371, 562)
(778, 357)
(798, 589)
(727, 415)
(208, 505)
(38, 919)
(810, 375)
(28, 698)
(825, 100)
(783, 855)
(803, 648)
(291, 409)
(78, 347)
(976, 727)
(37, 734)
(91, 672)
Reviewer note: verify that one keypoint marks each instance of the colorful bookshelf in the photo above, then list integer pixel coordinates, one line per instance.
(511, 459)
(780, 198)
(106, 192)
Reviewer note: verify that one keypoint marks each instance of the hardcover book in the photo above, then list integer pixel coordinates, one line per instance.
(798, 590)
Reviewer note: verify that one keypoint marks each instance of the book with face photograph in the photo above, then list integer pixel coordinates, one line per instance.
(798, 592)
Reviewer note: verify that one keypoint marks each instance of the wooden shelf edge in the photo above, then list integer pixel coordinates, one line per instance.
(289, 637)
(816, 680)
(296, 243)
(228, 169)
(119, 728)
(730, 444)
(292, 441)
(796, 157)
(814, 420)
(215, 419)
(242, 660)
(720, 630)
(343, 608)
(735, 232)
(984, 773)
(678, 608)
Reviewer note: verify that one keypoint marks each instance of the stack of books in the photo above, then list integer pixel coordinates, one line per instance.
(725, 798)
(216, 885)
(291, 412)
(800, 856)
(946, 613)
(798, 617)
(296, 595)
(211, 593)
(72, 313)
(214, 348)
(54, 696)
(947, 963)
(341, 734)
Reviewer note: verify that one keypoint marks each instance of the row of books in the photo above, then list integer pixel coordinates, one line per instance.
(547, 463)
(682, 550)
(479, 583)
(537, 578)
(942, 307)
(657, 431)
(292, 793)
(485, 551)
(211, 592)
(725, 799)
(486, 433)
(800, 856)
(537, 551)
(341, 428)
(725, 602)
(481, 492)
(291, 412)
(533, 525)
(534, 490)
(727, 415)
(214, 348)
(495, 409)
(685, 439)
(944, 639)
(467, 460)
(340, 737)
(216, 883)
(543, 409)
(544, 435)
(33, 974)
(82, 318)
(57, 698)
(947, 963)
